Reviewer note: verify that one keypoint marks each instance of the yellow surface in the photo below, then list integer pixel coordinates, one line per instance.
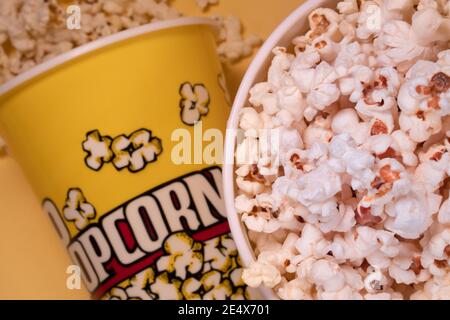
(33, 260)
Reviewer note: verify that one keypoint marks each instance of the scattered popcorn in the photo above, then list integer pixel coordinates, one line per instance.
(34, 31)
(359, 207)
(232, 45)
(204, 4)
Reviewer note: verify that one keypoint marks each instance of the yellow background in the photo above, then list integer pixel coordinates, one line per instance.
(32, 258)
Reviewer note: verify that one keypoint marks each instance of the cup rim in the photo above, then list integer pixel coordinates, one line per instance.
(101, 43)
(263, 56)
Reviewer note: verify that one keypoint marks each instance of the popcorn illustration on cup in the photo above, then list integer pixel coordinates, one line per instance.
(167, 289)
(184, 272)
(139, 283)
(118, 293)
(133, 152)
(98, 148)
(138, 252)
(78, 209)
(194, 102)
(217, 253)
(185, 255)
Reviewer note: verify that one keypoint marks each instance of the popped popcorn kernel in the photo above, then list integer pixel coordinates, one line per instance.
(365, 190)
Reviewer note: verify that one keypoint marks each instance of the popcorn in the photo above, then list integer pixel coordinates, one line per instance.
(405, 44)
(250, 120)
(347, 121)
(133, 152)
(139, 285)
(369, 20)
(78, 210)
(194, 102)
(318, 84)
(375, 281)
(433, 167)
(323, 21)
(351, 160)
(312, 243)
(347, 6)
(406, 147)
(204, 4)
(437, 288)
(423, 98)
(436, 254)
(327, 276)
(412, 214)
(34, 31)
(232, 45)
(259, 273)
(296, 290)
(250, 185)
(420, 126)
(359, 208)
(318, 131)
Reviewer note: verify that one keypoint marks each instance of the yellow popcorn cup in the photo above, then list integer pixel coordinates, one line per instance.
(100, 131)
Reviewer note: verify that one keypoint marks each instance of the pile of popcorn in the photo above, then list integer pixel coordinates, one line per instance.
(343, 173)
(34, 31)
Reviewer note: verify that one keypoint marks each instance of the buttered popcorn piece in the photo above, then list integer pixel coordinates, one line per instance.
(359, 206)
